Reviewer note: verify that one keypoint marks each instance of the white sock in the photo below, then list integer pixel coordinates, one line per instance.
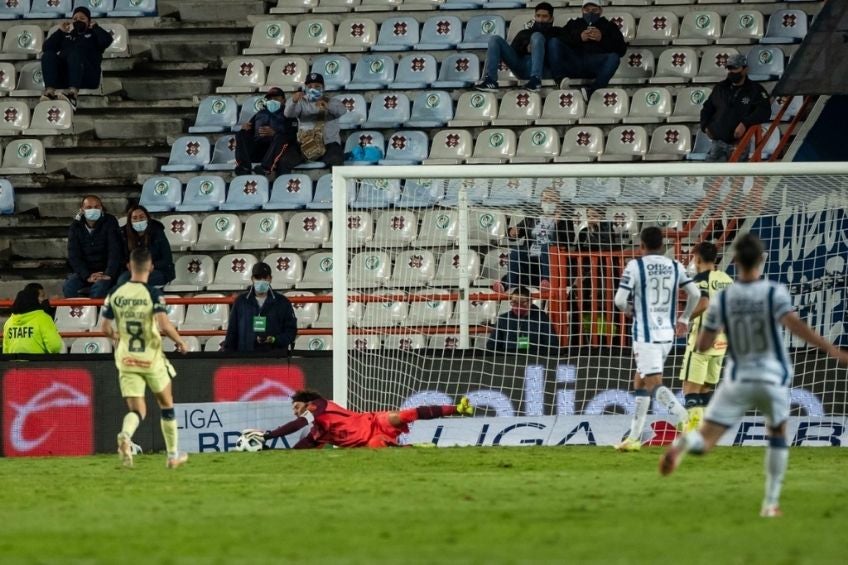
(667, 399)
(637, 424)
(777, 458)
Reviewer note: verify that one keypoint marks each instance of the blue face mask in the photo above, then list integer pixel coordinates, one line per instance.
(92, 214)
(591, 19)
(139, 226)
(273, 106)
(261, 287)
(313, 94)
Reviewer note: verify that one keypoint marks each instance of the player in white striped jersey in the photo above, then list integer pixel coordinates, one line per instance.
(758, 373)
(653, 281)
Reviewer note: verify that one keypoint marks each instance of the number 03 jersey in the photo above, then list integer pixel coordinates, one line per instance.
(133, 307)
(653, 282)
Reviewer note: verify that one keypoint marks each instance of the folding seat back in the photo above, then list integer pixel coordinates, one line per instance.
(684, 190)
(397, 34)
(307, 229)
(206, 316)
(215, 114)
(562, 107)
(431, 312)
(360, 228)
(494, 145)
(249, 107)
(14, 10)
(305, 312)
(245, 74)
(377, 193)
(406, 147)
(650, 105)
(480, 29)
(23, 156)
(312, 35)
(365, 141)
(414, 268)
(370, 269)
(431, 109)
(334, 68)
(120, 41)
(161, 194)
(486, 226)
(98, 8)
(91, 346)
(676, 65)
(76, 318)
(641, 190)
(713, 67)
(475, 109)
(203, 194)
(294, 6)
(786, 26)
(404, 342)
(385, 313)
(262, 231)
(689, 102)
(318, 272)
(670, 142)
(625, 21)
(133, 8)
(313, 343)
(287, 72)
(7, 197)
(269, 37)
(607, 106)
(451, 267)
(495, 266)
(518, 108)
(290, 192)
(372, 72)
(477, 190)
(415, 71)
(193, 273)
(223, 154)
(440, 32)
(743, 26)
(637, 66)
(389, 110)
(657, 28)
(219, 231)
(421, 193)
(23, 41)
(355, 34)
(181, 231)
(247, 192)
(286, 269)
(214, 344)
(450, 146)
(511, 191)
(357, 110)
(30, 80)
(395, 228)
(438, 227)
(188, 153)
(458, 71)
(699, 27)
(538, 144)
(14, 116)
(233, 272)
(597, 190)
(764, 63)
(625, 143)
(192, 344)
(8, 75)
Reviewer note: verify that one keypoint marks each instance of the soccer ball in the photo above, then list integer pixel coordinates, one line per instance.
(250, 440)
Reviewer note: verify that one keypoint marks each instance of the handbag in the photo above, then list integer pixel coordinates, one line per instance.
(312, 142)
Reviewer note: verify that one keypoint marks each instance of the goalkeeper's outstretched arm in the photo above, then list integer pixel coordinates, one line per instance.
(295, 425)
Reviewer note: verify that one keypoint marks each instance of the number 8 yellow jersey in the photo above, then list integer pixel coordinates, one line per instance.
(133, 306)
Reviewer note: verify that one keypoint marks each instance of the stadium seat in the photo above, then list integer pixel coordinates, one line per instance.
(30, 80)
(7, 197)
(625, 143)
(493, 146)
(413, 268)
(14, 10)
(192, 343)
(562, 107)
(636, 67)
(764, 63)
(440, 342)
(364, 140)
(495, 4)
(431, 312)
(440, 32)
(215, 114)
(479, 29)
(91, 346)
(323, 197)
(176, 312)
(601, 190)
(99, 8)
(76, 318)
(641, 190)
(474, 109)
(233, 272)
(625, 21)
(486, 227)
(334, 68)
(335, 6)
(354, 313)
(713, 64)
(181, 231)
(607, 106)
(133, 9)
(51, 117)
(206, 316)
(625, 221)
(360, 229)
(305, 312)
(676, 65)
(188, 153)
(389, 110)
(203, 194)
(404, 342)
(450, 147)
(120, 41)
(23, 157)
(784, 26)
(743, 26)
(307, 229)
(510, 191)
(656, 28)
(791, 111)
(244, 74)
(356, 110)
(581, 145)
(318, 272)
(372, 72)
(262, 231)
(684, 190)
(459, 70)
(699, 27)
(406, 147)
(219, 231)
(287, 72)
(294, 6)
(565, 187)
(214, 344)
(688, 104)
(376, 193)
(22, 41)
(15, 116)
(451, 268)
(313, 343)
(649, 105)
(249, 107)
(385, 314)
(395, 228)
(538, 144)
(44, 9)
(421, 193)
(397, 34)
(313, 35)
(700, 147)
(665, 217)
(369, 269)
(246, 192)
(223, 155)
(161, 194)
(286, 269)
(462, 4)
(355, 34)
(477, 192)
(438, 228)
(8, 76)
(495, 267)
(518, 108)
(193, 273)
(363, 342)
(270, 37)
(432, 109)
(415, 71)
(290, 192)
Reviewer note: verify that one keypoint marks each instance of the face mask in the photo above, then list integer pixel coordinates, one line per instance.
(92, 214)
(261, 287)
(549, 207)
(80, 27)
(313, 94)
(734, 76)
(272, 105)
(140, 226)
(591, 19)
(520, 311)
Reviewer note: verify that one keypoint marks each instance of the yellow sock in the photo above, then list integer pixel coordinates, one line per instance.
(130, 425)
(169, 432)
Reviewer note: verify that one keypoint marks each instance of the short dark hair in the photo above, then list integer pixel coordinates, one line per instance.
(306, 396)
(544, 6)
(139, 257)
(261, 271)
(749, 251)
(521, 291)
(652, 238)
(707, 251)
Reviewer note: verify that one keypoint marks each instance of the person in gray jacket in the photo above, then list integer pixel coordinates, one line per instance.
(311, 106)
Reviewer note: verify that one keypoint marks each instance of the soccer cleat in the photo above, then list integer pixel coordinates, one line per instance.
(670, 460)
(771, 511)
(628, 445)
(696, 414)
(177, 461)
(487, 85)
(125, 449)
(464, 407)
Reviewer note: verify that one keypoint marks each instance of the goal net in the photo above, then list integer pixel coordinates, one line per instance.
(431, 305)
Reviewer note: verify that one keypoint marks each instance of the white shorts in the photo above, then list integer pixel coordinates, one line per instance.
(650, 357)
(733, 399)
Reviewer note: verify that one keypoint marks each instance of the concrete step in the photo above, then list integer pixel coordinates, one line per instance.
(62, 207)
(219, 10)
(199, 48)
(115, 165)
(137, 127)
(10, 287)
(159, 88)
(40, 247)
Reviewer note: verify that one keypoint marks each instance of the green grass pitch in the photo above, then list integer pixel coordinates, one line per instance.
(429, 506)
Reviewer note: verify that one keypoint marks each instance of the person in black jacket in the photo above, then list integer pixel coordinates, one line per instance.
(734, 105)
(72, 55)
(261, 319)
(95, 251)
(523, 329)
(143, 231)
(266, 137)
(589, 47)
(527, 55)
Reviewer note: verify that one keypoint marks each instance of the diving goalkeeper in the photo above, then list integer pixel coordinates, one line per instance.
(334, 425)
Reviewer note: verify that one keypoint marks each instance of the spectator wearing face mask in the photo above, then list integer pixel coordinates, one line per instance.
(314, 109)
(526, 57)
(524, 328)
(72, 55)
(260, 319)
(266, 137)
(31, 328)
(143, 231)
(95, 251)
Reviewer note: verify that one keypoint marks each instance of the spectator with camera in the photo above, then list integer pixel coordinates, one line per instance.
(318, 129)
(95, 251)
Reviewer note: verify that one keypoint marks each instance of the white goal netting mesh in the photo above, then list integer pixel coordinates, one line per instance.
(433, 266)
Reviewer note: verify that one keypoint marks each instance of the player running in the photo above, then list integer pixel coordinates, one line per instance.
(701, 371)
(136, 309)
(653, 281)
(758, 373)
(334, 425)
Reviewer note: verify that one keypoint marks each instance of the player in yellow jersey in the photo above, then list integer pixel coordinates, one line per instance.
(139, 313)
(701, 371)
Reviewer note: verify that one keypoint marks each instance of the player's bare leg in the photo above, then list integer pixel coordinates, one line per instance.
(633, 441)
(136, 411)
(777, 458)
(168, 423)
(698, 442)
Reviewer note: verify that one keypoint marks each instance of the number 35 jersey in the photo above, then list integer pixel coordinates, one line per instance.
(654, 282)
(133, 307)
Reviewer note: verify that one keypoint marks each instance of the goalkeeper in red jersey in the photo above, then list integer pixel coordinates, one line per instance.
(334, 425)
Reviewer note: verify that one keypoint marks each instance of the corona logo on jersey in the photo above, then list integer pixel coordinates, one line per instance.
(47, 413)
(250, 383)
